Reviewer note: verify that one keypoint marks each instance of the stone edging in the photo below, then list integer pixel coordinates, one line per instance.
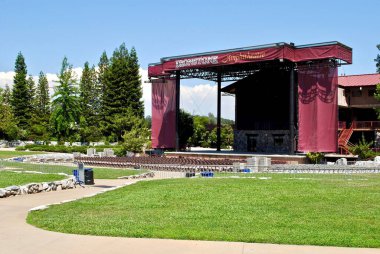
(145, 175)
(32, 188)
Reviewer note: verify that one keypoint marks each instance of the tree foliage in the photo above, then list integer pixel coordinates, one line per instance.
(122, 89)
(135, 132)
(363, 149)
(377, 59)
(105, 104)
(8, 123)
(185, 129)
(205, 131)
(65, 105)
(20, 93)
(42, 97)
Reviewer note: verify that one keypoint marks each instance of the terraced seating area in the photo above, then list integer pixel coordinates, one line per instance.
(179, 164)
(160, 163)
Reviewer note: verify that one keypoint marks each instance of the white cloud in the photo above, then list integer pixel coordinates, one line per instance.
(202, 99)
(198, 99)
(6, 78)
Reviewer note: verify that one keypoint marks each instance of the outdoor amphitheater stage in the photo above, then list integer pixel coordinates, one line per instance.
(238, 156)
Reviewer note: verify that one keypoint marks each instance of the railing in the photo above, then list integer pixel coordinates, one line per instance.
(368, 125)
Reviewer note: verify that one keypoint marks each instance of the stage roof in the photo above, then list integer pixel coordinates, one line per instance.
(233, 64)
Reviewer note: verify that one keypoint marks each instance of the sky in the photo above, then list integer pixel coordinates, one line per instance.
(46, 31)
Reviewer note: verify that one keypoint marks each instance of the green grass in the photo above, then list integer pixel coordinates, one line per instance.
(99, 173)
(329, 210)
(11, 178)
(11, 154)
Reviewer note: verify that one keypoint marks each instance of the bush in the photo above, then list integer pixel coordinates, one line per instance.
(363, 149)
(63, 149)
(315, 157)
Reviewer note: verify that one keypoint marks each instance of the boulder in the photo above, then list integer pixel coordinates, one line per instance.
(3, 193)
(341, 161)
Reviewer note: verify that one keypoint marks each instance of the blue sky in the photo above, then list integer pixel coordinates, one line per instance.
(46, 31)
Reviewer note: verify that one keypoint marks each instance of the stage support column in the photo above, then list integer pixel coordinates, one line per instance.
(291, 110)
(177, 96)
(218, 113)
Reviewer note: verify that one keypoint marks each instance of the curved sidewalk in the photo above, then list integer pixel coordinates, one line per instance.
(18, 237)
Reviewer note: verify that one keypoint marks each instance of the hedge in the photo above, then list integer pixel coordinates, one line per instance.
(66, 149)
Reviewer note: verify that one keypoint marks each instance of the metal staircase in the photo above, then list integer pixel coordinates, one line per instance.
(343, 139)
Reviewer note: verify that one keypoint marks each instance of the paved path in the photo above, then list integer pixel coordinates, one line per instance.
(18, 237)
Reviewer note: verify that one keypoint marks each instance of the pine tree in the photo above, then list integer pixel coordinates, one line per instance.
(90, 104)
(134, 86)
(42, 97)
(103, 66)
(65, 104)
(39, 123)
(31, 96)
(87, 93)
(20, 93)
(123, 88)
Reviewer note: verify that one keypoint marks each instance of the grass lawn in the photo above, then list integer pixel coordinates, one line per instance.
(99, 173)
(11, 154)
(11, 178)
(329, 210)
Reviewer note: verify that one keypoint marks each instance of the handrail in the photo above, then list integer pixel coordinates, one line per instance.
(366, 125)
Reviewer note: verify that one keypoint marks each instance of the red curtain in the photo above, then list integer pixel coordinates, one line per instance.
(317, 108)
(163, 114)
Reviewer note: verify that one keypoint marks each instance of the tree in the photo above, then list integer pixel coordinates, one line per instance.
(102, 86)
(377, 94)
(136, 139)
(65, 104)
(377, 60)
(31, 96)
(185, 128)
(42, 97)
(134, 85)
(90, 105)
(8, 126)
(7, 96)
(20, 93)
(39, 123)
(123, 88)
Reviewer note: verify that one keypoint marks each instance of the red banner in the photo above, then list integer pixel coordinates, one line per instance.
(224, 59)
(317, 108)
(163, 114)
(283, 52)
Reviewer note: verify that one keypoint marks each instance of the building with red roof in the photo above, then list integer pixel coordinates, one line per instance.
(357, 114)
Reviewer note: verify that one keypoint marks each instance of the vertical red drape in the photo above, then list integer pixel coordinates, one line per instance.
(317, 108)
(163, 114)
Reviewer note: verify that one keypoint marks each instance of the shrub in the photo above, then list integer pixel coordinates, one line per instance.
(315, 157)
(63, 149)
(363, 149)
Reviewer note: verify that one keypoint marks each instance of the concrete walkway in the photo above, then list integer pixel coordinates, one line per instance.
(18, 237)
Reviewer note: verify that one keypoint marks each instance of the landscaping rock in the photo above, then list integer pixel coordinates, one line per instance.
(3, 193)
(341, 161)
(31, 188)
